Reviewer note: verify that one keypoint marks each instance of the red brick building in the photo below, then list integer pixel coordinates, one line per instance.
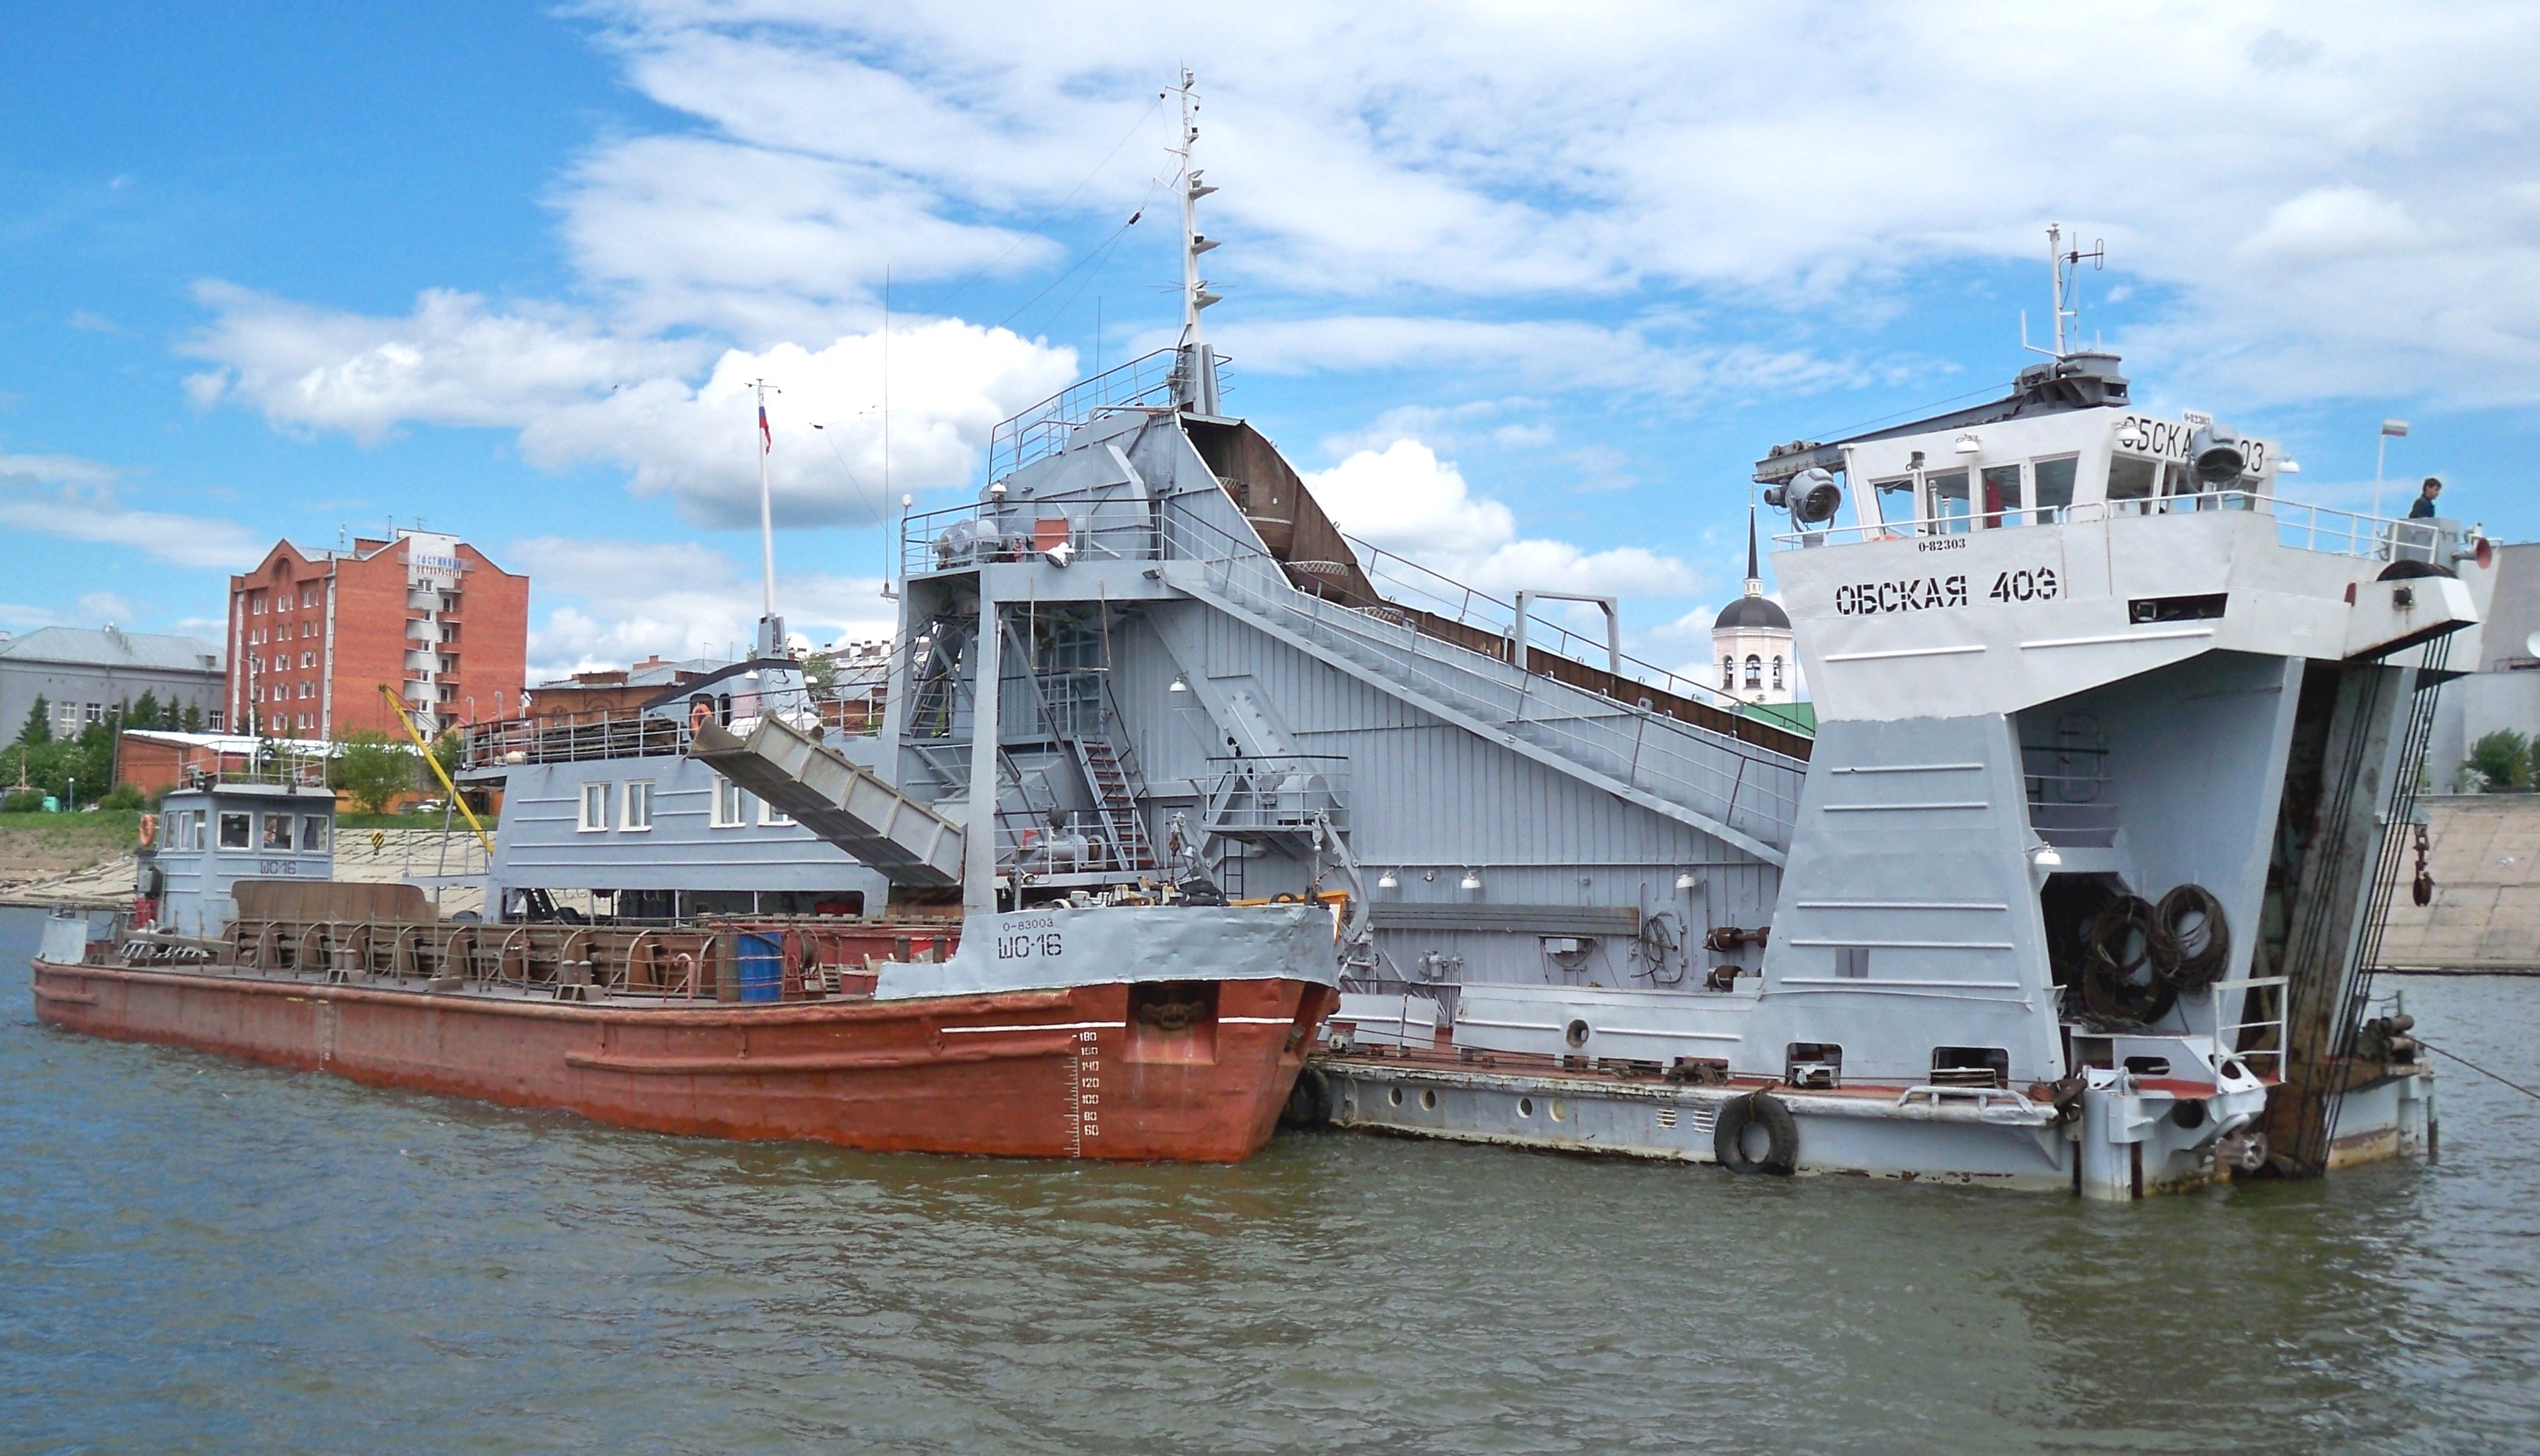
(313, 637)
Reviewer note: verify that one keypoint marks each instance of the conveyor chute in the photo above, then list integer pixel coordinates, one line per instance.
(846, 804)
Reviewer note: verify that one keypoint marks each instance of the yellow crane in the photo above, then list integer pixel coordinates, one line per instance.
(397, 707)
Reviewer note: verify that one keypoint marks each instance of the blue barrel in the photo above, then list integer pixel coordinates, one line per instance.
(763, 968)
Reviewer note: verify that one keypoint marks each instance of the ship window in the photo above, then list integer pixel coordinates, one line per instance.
(2130, 480)
(2002, 494)
(638, 805)
(1852, 962)
(2053, 482)
(1949, 499)
(312, 834)
(277, 832)
(769, 813)
(727, 803)
(1754, 672)
(1895, 499)
(594, 808)
(234, 833)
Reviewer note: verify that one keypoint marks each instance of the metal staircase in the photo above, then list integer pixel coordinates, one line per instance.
(1118, 805)
(1735, 792)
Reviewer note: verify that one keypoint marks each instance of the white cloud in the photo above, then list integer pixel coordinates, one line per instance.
(577, 393)
(627, 601)
(453, 361)
(951, 384)
(1441, 151)
(104, 606)
(1404, 499)
(75, 500)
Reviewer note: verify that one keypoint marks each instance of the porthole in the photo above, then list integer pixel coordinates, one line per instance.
(1526, 1107)
(1394, 1095)
(1560, 1110)
(1428, 1100)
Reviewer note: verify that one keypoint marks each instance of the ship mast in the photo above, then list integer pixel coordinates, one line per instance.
(1195, 373)
(771, 627)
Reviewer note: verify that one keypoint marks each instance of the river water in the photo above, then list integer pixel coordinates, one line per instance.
(197, 1255)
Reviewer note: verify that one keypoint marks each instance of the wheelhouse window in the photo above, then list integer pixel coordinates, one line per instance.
(727, 803)
(2002, 497)
(2130, 483)
(2053, 487)
(236, 833)
(639, 805)
(1947, 496)
(594, 808)
(277, 832)
(1895, 500)
(312, 834)
(769, 813)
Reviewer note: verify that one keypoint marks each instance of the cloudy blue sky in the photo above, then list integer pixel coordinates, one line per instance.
(1527, 287)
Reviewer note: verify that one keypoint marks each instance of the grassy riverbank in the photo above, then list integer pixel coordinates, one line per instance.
(41, 846)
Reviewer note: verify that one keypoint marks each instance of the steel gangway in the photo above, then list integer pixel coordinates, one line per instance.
(1118, 802)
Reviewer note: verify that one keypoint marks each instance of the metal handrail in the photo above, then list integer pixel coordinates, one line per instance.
(1143, 383)
(2301, 525)
(1589, 727)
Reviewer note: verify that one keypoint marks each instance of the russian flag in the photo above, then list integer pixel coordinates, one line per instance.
(767, 441)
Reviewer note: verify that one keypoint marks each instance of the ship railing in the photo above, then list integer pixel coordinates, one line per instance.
(1144, 383)
(1735, 783)
(513, 742)
(1398, 579)
(2299, 526)
(2259, 1034)
(984, 532)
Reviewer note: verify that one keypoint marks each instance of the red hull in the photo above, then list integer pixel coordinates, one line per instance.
(1043, 1074)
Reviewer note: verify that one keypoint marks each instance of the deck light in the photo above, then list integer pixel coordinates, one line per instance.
(1180, 684)
(1688, 881)
(2045, 858)
(1389, 880)
(1968, 443)
(1472, 879)
(997, 490)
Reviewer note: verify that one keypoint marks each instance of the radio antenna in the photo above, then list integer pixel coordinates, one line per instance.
(2062, 265)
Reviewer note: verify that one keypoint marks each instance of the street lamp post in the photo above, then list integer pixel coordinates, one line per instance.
(2390, 430)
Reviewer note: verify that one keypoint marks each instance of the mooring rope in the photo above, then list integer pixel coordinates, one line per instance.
(2481, 1070)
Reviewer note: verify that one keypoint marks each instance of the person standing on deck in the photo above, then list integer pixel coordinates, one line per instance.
(2424, 509)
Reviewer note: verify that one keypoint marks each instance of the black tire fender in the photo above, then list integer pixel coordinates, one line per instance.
(1781, 1132)
(1309, 1101)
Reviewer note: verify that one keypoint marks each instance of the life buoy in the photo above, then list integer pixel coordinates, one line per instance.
(1781, 1135)
(149, 829)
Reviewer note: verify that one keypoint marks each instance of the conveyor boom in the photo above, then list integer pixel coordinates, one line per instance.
(846, 804)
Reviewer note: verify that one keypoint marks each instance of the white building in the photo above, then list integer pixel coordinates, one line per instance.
(1752, 640)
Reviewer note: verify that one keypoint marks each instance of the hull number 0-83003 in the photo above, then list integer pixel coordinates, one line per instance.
(1878, 598)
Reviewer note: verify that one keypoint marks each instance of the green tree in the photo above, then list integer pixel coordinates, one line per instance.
(820, 673)
(194, 721)
(39, 728)
(2503, 759)
(145, 709)
(447, 750)
(372, 768)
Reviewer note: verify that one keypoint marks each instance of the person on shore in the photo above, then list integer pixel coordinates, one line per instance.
(2424, 509)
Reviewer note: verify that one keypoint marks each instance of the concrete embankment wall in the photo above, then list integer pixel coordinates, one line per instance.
(365, 856)
(2484, 850)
